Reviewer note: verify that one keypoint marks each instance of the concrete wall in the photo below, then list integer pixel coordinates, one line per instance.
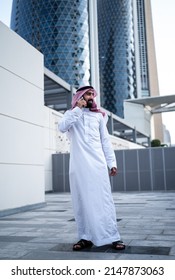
(21, 122)
(151, 169)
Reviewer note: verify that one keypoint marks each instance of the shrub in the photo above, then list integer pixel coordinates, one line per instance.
(155, 143)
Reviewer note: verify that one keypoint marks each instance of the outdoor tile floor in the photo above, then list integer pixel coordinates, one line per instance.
(146, 222)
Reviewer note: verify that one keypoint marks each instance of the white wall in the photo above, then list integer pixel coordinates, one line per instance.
(122, 144)
(138, 116)
(21, 122)
(55, 142)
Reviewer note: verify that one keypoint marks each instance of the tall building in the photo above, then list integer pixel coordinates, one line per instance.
(127, 57)
(148, 64)
(116, 53)
(61, 30)
(143, 50)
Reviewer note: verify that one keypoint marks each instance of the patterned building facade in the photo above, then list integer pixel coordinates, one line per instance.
(116, 53)
(143, 50)
(60, 30)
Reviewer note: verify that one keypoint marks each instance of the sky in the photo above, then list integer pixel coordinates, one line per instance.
(164, 35)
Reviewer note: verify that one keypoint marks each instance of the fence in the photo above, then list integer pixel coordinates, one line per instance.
(150, 169)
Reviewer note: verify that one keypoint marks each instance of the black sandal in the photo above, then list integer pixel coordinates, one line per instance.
(118, 245)
(82, 244)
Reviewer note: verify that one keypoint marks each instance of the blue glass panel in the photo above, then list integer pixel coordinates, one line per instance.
(48, 25)
(116, 53)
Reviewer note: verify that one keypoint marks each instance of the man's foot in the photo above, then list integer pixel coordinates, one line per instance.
(82, 244)
(118, 245)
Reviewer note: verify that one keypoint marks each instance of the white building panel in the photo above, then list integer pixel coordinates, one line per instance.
(20, 99)
(21, 185)
(20, 58)
(21, 142)
(21, 122)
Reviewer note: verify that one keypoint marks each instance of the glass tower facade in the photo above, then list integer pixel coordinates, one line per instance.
(60, 30)
(116, 54)
(143, 48)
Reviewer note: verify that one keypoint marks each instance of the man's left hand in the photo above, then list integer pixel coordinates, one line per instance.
(113, 171)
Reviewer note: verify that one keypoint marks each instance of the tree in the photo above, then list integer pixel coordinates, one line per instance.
(155, 143)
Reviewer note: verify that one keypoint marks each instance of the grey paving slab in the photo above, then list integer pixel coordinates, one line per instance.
(146, 222)
(144, 257)
(155, 243)
(28, 246)
(161, 237)
(172, 251)
(169, 231)
(12, 254)
(14, 238)
(48, 255)
(108, 249)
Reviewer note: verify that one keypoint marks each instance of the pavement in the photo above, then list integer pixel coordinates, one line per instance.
(146, 221)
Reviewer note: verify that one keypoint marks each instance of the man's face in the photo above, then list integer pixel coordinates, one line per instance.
(89, 97)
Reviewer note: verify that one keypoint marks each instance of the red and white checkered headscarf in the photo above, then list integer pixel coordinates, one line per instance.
(80, 92)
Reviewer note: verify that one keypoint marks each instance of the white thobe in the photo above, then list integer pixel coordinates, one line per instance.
(91, 154)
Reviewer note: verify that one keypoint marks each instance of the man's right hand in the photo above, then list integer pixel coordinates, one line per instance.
(81, 103)
(113, 171)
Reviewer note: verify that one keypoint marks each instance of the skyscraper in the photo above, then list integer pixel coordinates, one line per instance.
(60, 30)
(143, 53)
(127, 55)
(116, 53)
(148, 64)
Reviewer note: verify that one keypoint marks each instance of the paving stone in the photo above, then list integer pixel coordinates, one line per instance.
(144, 257)
(161, 237)
(172, 251)
(155, 243)
(12, 254)
(146, 222)
(15, 238)
(148, 250)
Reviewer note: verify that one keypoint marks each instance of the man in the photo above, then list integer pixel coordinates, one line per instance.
(90, 154)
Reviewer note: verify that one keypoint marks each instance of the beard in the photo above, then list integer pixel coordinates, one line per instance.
(89, 103)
